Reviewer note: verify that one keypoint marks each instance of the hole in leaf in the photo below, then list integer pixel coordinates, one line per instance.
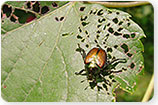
(83, 18)
(100, 12)
(125, 47)
(79, 37)
(19, 12)
(109, 49)
(56, 18)
(82, 40)
(98, 25)
(95, 12)
(133, 35)
(126, 36)
(98, 31)
(84, 23)
(23, 16)
(82, 8)
(109, 83)
(62, 18)
(12, 19)
(105, 39)
(91, 12)
(87, 45)
(104, 27)
(128, 24)
(115, 20)
(36, 7)
(117, 13)
(124, 69)
(44, 10)
(140, 68)
(86, 31)
(28, 4)
(65, 34)
(117, 34)
(101, 20)
(54, 4)
(129, 54)
(132, 65)
(95, 41)
(97, 36)
(113, 80)
(120, 23)
(111, 76)
(115, 46)
(109, 12)
(120, 29)
(127, 19)
(107, 35)
(111, 30)
(7, 10)
(113, 57)
(79, 29)
(108, 24)
(30, 17)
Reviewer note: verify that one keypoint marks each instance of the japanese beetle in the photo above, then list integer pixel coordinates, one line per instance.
(97, 67)
(96, 57)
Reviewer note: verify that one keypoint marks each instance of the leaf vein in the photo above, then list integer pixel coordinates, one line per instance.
(57, 39)
(66, 72)
(13, 67)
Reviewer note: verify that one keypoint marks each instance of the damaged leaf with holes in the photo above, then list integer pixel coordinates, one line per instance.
(114, 31)
(16, 13)
(39, 60)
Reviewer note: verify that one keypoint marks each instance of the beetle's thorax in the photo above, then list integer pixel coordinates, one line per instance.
(93, 62)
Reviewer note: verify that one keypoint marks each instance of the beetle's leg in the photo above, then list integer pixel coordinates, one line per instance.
(82, 51)
(116, 71)
(80, 72)
(119, 61)
(109, 65)
(99, 88)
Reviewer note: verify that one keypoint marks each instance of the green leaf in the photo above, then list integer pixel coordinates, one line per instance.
(39, 60)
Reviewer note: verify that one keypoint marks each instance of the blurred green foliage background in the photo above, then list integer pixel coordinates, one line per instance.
(144, 17)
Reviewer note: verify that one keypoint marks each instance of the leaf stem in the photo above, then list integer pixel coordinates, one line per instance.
(121, 4)
(149, 90)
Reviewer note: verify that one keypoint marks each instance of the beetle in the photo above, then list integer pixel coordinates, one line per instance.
(96, 57)
(97, 66)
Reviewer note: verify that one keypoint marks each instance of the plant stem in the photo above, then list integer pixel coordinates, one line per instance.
(149, 90)
(121, 4)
